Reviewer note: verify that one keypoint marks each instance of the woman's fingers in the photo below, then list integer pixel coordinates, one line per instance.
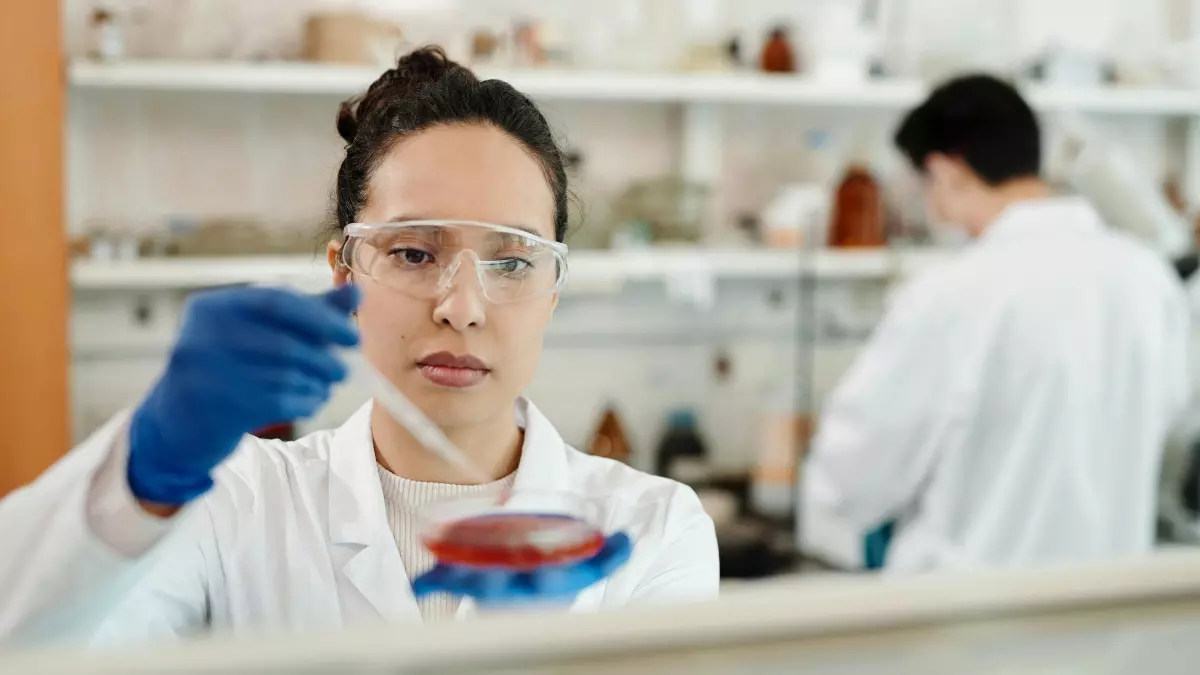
(261, 392)
(345, 299)
(269, 346)
(322, 319)
(559, 583)
(616, 552)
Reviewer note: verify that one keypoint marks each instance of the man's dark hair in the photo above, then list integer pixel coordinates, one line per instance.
(979, 119)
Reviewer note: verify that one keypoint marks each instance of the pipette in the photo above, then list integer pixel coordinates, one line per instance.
(411, 418)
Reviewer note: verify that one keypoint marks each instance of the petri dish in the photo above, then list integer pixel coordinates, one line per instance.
(521, 532)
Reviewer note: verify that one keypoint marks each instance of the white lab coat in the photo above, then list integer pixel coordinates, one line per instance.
(293, 537)
(1180, 523)
(1011, 407)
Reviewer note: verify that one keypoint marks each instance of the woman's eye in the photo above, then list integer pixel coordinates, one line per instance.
(513, 265)
(411, 256)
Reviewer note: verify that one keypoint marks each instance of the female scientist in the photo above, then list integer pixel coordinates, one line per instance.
(451, 208)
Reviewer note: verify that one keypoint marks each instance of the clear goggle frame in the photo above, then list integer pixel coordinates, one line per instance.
(423, 258)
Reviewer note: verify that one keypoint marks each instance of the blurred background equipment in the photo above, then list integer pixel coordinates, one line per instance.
(609, 440)
(658, 211)
(351, 39)
(1127, 197)
(681, 453)
(108, 37)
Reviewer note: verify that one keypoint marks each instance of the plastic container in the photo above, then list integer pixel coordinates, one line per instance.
(521, 530)
(784, 433)
(797, 217)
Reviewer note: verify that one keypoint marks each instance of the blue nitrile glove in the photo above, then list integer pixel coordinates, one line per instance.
(875, 546)
(556, 584)
(246, 358)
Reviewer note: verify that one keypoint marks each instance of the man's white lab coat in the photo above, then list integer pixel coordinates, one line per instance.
(294, 536)
(1012, 406)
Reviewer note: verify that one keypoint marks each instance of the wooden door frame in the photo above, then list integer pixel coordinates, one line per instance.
(34, 286)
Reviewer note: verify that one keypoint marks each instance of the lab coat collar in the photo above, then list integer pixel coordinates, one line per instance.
(357, 518)
(355, 496)
(543, 464)
(1039, 217)
(357, 515)
(356, 509)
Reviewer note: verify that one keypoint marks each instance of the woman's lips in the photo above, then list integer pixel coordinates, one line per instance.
(449, 376)
(447, 370)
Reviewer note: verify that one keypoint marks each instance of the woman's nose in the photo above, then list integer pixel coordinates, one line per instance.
(461, 304)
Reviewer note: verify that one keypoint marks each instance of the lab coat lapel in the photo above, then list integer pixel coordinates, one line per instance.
(361, 540)
(543, 467)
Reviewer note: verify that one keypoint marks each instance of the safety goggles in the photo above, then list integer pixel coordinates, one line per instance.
(423, 258)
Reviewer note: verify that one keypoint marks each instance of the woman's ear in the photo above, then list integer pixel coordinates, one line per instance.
(341, 273)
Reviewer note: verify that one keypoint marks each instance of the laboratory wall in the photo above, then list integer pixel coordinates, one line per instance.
(137, 159)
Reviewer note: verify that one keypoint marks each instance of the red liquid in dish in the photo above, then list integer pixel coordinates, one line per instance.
(520, 541)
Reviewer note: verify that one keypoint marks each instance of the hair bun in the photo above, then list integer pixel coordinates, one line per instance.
(422, 67)
(347, 120)
(414, 72)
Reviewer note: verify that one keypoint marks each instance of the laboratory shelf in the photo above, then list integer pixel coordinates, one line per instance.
(684, 88)
(594, 268)
(150, 274)
(591, 271)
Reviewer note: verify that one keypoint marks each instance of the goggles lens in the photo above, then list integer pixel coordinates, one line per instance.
(424, 259)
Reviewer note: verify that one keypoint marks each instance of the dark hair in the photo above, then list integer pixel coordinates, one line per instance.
(979, 119)
(426, 90)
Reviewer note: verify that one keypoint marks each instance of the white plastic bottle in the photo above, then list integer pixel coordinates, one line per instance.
(783, 435)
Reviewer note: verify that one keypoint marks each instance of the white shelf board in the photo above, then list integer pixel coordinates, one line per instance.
(590, 271)
(741, 88)
(234, 76)
(150, 274)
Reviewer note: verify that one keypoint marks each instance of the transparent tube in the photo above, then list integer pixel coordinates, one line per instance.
(416, 423)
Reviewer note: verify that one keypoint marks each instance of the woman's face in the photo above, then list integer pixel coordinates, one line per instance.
(460, 172)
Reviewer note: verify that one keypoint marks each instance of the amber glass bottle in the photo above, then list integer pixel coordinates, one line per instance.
(857, 218)
(610, 440)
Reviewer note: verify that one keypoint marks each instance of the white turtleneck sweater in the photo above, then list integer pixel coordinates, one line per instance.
(403, 500)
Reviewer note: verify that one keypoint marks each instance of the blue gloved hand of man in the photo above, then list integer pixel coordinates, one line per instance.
(246, 358)
(552, 584)
(875, 546)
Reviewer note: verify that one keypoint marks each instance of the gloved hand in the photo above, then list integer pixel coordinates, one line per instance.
(245, 358)
(875, 545)
(557, 584)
